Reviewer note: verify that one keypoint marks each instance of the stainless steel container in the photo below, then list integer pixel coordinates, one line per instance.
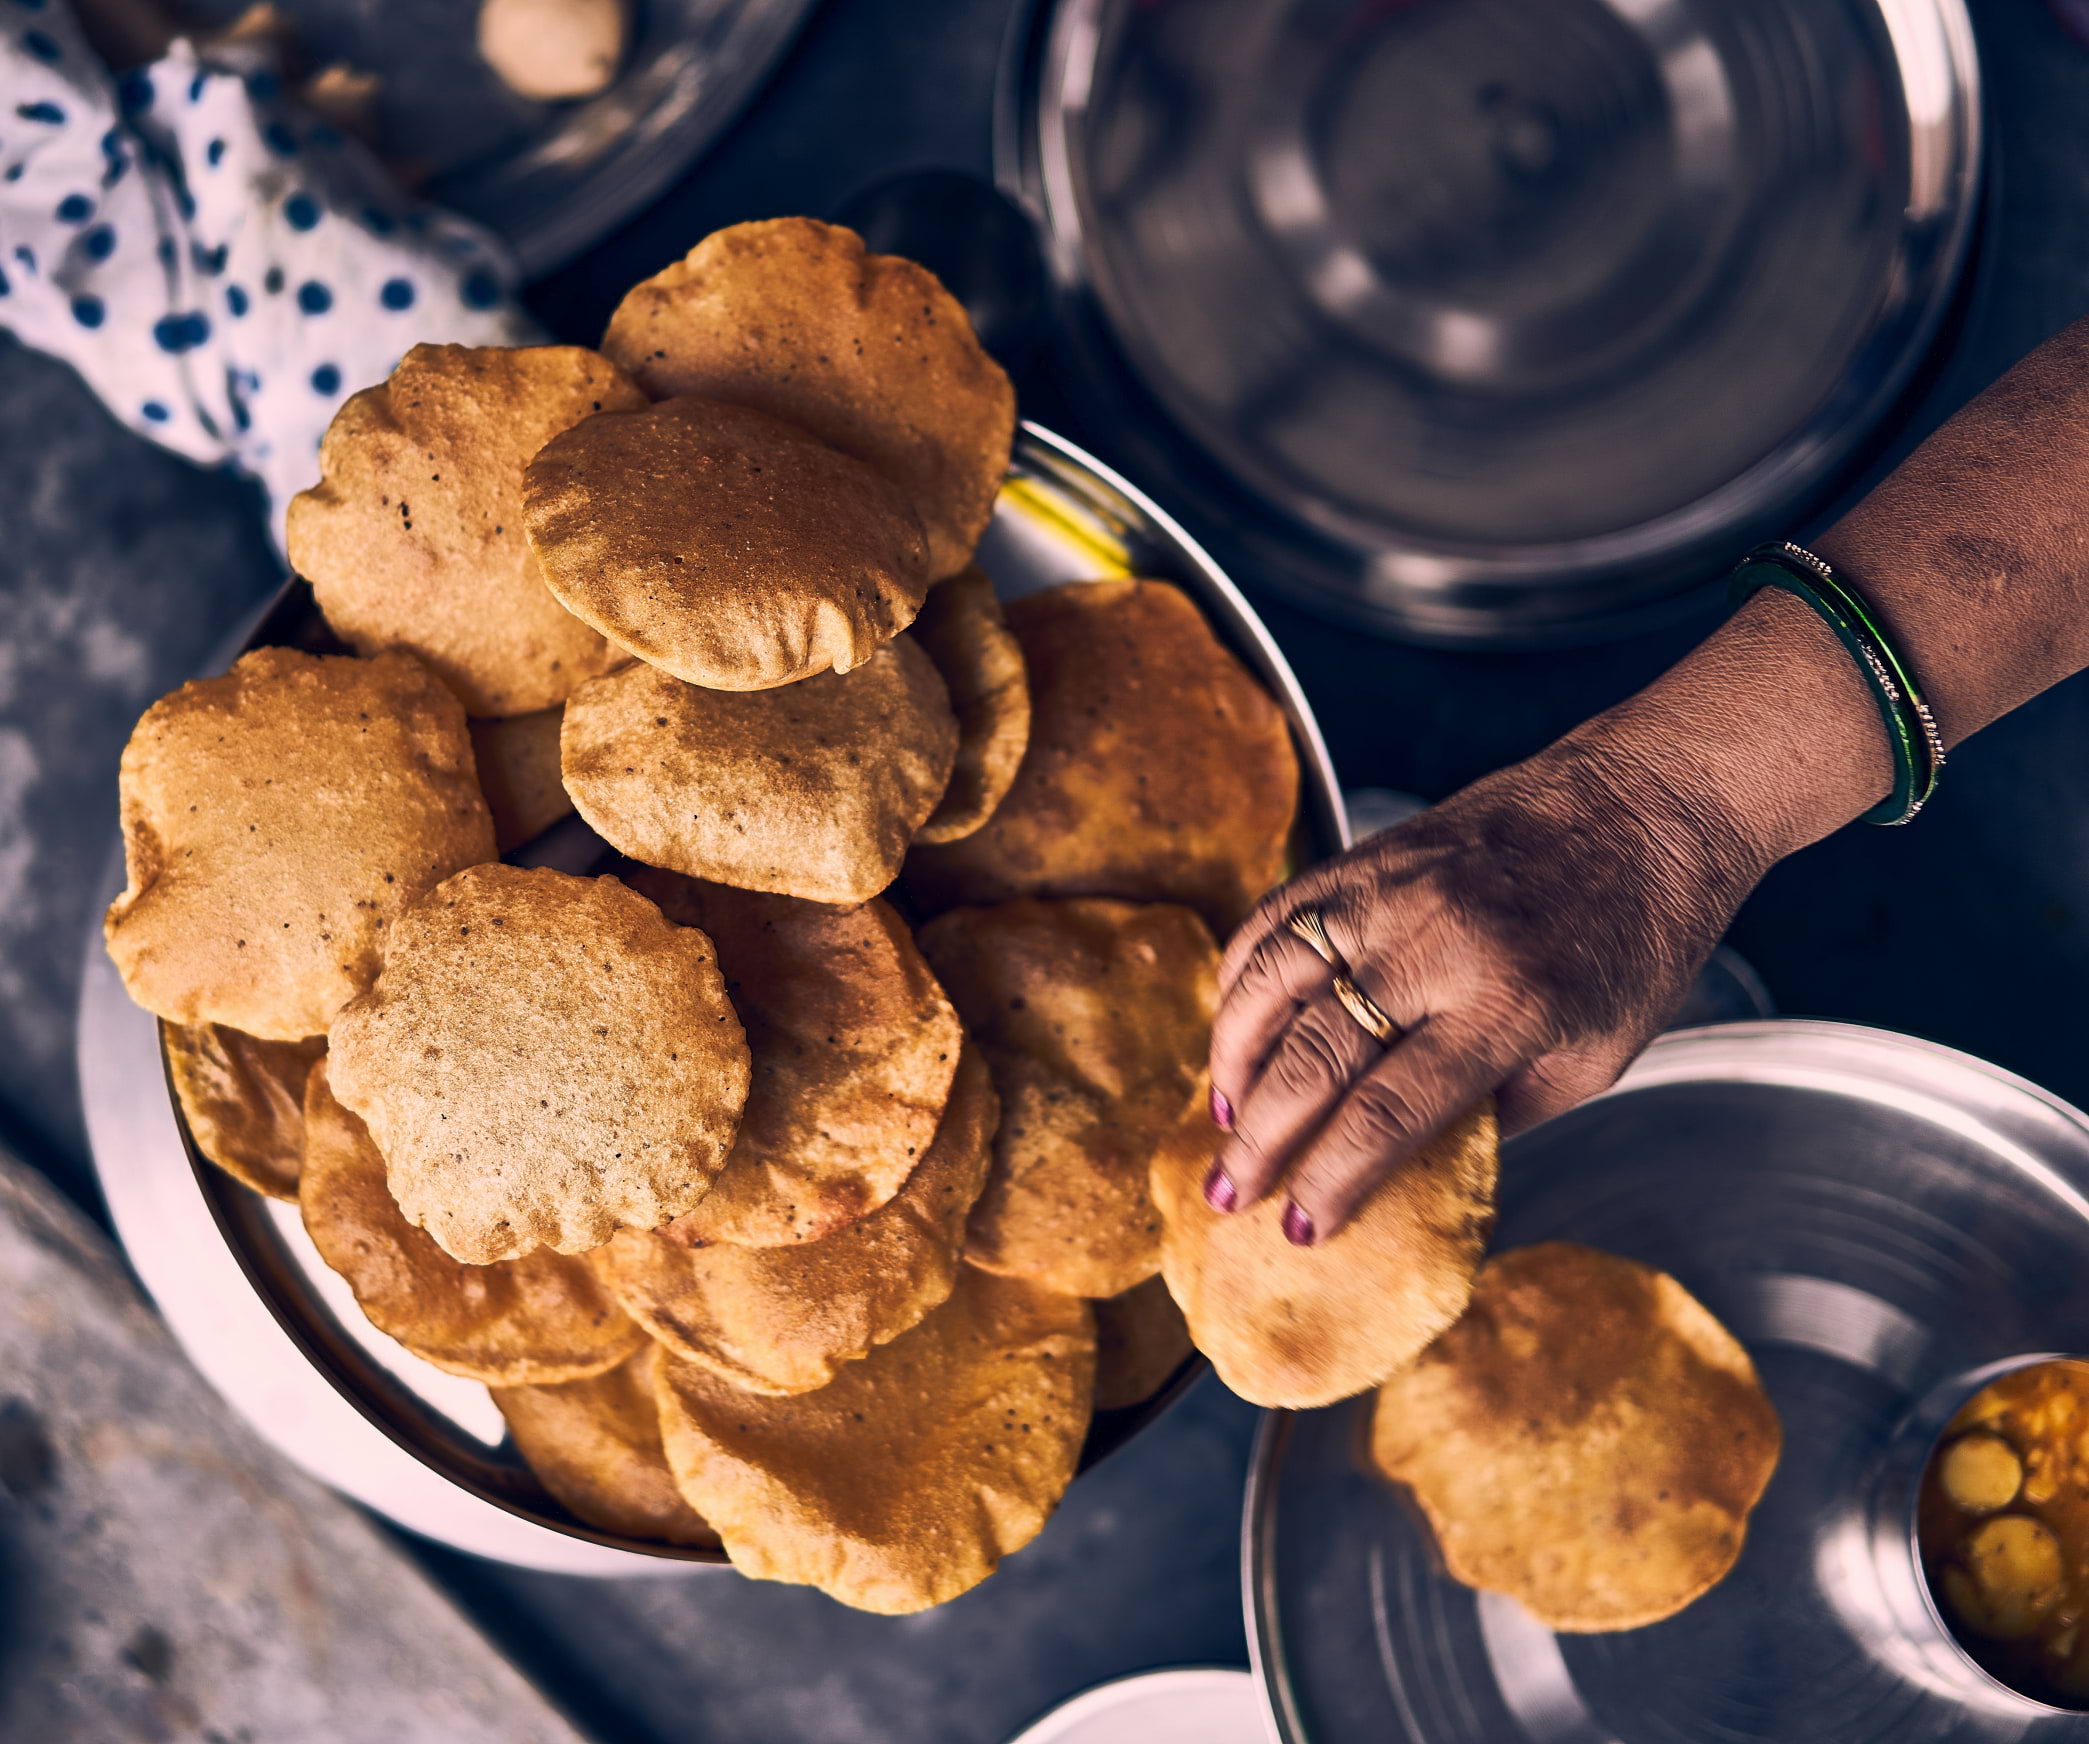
(1493, 321)
(278, 1333)
(1886, 1224)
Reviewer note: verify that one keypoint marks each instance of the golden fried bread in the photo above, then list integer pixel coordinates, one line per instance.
(275, 822)
(1095, 1018)
(867, 351)
(244, 1100)
(1158, 767)
(784, 1320)
(544, 1060)
(852, 1047)
(541, 1318)
(595, 1445)
(1587, 1439)
(813, 790)
(906, 1479)
(518, 764)
(1141, 1339)
(413, 536)
(1296, 1327)
(961, 629)
(722, 545)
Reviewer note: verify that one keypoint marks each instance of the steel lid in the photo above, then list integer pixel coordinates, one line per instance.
(1488, 320)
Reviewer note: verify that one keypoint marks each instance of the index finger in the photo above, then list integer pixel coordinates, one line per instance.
(1269, 920)
(1278, 976)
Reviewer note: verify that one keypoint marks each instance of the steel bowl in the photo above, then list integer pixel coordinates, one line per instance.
(1496, 322)
(549, 178)
(278, 1333)
(1885, 1224)
(1925, 1643)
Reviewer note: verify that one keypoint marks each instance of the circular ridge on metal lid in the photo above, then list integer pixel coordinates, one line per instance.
(1498, 321)
(1187, 1705)
(1883, 1223)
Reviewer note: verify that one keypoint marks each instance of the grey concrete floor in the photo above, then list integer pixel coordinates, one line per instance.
(121, 567)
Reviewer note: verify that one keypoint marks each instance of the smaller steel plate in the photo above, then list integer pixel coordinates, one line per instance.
(549, 178)
(1876, 1218)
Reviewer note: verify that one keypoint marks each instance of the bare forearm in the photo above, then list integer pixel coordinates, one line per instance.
(1976, 549)
(1975, 553)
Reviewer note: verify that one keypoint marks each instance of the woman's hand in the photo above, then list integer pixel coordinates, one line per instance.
(1531, 933)
(1529, 936)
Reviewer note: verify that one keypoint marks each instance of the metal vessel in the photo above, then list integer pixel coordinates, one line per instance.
(1879, 1220)
(1485, 321)
(278, 1333)
(549, 178)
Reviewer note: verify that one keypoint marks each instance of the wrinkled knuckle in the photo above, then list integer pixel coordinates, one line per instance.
(1383, 1116)
(1310, 1061)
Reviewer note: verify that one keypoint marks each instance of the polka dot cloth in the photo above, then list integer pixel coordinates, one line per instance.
(219, 267)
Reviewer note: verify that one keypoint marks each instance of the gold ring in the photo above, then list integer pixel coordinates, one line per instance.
(1361, 1006)
(1309, 926)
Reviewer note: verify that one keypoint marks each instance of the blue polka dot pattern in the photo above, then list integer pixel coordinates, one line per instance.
(42, 47)
(232, 191)
(179, 333)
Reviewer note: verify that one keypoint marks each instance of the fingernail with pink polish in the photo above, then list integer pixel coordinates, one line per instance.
(1298, 1227)
(1219, 1192)
(1221, 1109)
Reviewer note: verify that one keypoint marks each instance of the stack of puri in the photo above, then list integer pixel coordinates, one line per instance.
(790, 1183)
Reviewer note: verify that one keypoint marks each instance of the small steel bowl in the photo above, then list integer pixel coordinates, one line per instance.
(1929, 1645)
(278, 1333)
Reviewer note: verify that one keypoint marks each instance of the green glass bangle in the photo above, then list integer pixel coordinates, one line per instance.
(1911, 730)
